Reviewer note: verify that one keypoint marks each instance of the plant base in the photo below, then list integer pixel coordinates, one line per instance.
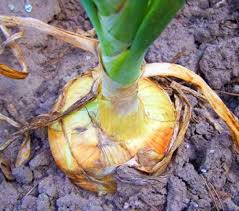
(89, 156)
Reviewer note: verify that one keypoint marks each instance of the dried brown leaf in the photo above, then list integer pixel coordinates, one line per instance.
(10, 41)
(77, 40)
(5, 168)
(11, 73)
(9, 120)
(184, 112)
(177, 71)
(24, 151)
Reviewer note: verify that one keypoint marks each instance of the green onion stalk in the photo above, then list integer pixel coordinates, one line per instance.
(132, 117)
(126, 29)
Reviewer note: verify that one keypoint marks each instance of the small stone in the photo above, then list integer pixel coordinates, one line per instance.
(11, 7)
(203, 170)
(211, 151)
(236, 88)
(221, 3)
(28, 8)
(23, 174)
(194, 204)
(126, 205)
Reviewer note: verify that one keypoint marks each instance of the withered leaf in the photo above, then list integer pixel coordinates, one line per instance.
(11, 73)
(180, 72)
(9, 120)
(16, 49)
(24, 151)
(5, 168)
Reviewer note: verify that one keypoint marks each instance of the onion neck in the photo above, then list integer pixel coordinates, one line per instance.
(121, 112)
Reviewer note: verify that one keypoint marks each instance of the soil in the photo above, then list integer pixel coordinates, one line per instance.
(204, 173)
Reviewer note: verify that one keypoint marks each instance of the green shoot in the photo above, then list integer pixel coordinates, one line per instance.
(126, 28)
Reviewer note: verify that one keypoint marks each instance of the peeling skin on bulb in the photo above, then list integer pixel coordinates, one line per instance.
(110, 138)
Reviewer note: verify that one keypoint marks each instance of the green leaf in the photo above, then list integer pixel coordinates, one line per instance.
(124, 24)
(159, 14)
(91, 11)
(108, 7)
(126, 28)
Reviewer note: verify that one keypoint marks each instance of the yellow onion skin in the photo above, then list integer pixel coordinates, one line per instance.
(88, 152)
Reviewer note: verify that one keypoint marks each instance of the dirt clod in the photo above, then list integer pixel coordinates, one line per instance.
(40, 160)
(177, 194)
(23, 174)
(219, 63)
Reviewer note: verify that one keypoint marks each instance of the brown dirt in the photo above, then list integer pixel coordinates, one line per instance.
(205, 168)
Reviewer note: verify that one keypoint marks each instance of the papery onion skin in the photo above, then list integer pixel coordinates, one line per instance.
(88, 151)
